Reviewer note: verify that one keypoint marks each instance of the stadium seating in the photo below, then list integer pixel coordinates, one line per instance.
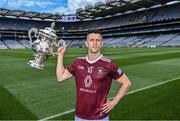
(2, 46)
(25, 43)
(77, 43)
(156, 14)
(173, 42)
(13, 44)
(159, 40)
(166, 13)
(137, 29)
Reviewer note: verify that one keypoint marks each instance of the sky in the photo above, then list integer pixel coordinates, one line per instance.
(47, 6)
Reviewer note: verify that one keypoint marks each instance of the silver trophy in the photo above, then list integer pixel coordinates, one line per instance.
(43, 45)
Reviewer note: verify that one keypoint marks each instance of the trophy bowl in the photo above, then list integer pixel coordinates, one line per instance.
(43, 45)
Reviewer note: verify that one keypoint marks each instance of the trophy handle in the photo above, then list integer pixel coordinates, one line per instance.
(29, 34)
(60, 43)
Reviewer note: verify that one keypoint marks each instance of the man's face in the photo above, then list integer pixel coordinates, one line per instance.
(94, 42)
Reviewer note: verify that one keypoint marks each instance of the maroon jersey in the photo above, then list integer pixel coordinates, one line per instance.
(93, 81)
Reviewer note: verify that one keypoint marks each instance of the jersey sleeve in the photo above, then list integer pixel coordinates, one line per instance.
(71, 68)
(115, 71)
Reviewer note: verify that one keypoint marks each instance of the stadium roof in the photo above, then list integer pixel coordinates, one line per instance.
(114, 7)
(99, 10)
(29, 15)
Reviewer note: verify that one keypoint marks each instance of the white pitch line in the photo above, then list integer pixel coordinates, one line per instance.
(57, 115)
(131, 92)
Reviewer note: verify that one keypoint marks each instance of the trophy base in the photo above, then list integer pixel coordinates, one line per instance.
(34, 64)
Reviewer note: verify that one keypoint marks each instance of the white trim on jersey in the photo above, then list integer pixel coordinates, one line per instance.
(81, 57)
(106, 59)
(91, 62)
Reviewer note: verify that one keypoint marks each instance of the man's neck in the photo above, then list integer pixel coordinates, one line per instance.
(93, 56)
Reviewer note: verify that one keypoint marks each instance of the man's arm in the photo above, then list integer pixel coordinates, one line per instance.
(62, 73)
(122, 91)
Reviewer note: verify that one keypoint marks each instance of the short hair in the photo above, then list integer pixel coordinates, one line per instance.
(95, 32)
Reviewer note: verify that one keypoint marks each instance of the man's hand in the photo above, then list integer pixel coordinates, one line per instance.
(61, 50)
(125, 82)
(108, 106)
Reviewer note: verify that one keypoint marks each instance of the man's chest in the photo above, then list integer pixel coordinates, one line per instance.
(91, 77)
(96, 72)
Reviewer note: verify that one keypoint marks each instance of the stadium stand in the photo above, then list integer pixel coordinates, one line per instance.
(150, 27)
(173, 42)
(25, 43)
(13, 44)
(2, 46)
(159, 40)
(143, 41)
(167, 13)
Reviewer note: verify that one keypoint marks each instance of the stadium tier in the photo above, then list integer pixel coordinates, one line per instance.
(151, 27)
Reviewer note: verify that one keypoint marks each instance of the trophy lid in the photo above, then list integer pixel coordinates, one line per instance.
(49, 31)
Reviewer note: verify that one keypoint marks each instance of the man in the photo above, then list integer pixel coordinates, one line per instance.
(93, 75)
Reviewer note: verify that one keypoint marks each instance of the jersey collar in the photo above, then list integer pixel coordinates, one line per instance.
(91, 62)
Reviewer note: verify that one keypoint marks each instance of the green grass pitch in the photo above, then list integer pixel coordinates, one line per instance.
(27, 93)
